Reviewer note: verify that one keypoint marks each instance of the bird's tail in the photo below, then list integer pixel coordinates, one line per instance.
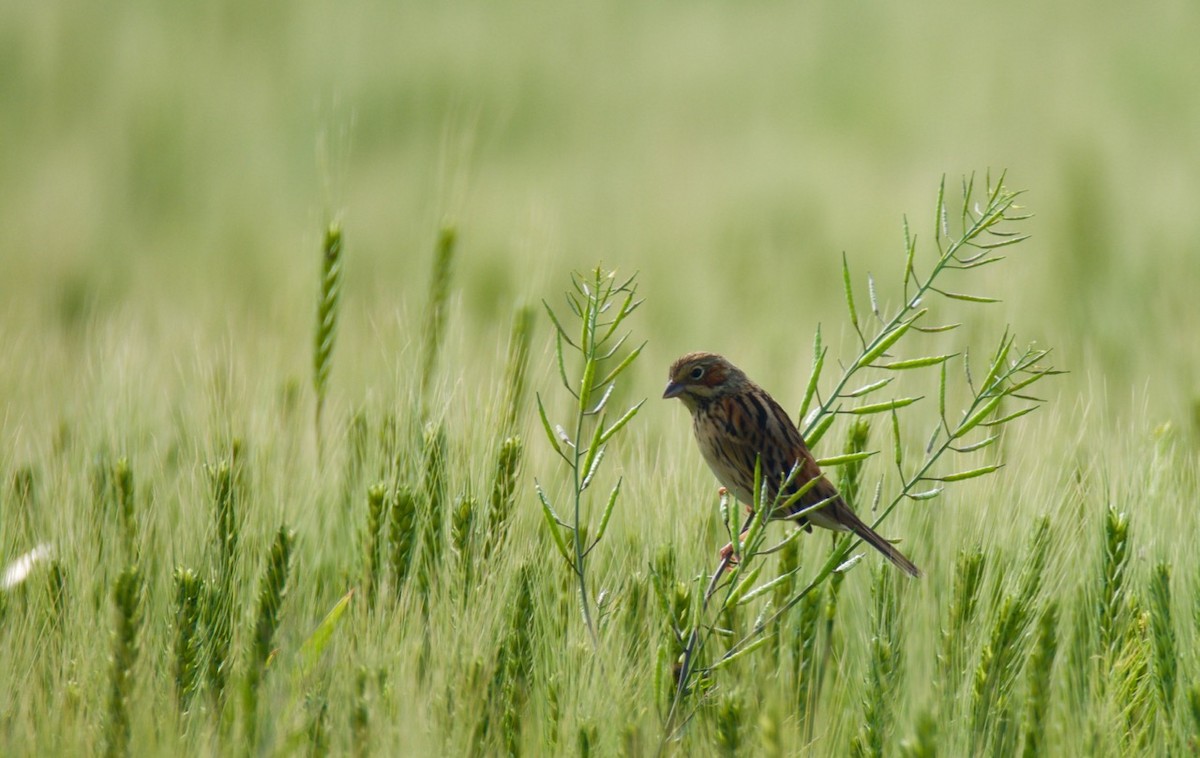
(850, 520)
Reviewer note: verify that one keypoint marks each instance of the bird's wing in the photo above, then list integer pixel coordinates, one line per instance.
(779, 459)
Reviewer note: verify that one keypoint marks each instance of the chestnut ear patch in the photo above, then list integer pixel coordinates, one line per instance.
(714, 375)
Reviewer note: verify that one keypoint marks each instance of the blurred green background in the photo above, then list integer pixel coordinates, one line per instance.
(166, 170)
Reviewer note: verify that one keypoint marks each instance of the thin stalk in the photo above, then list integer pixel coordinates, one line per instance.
(986, 219)
(692, 645)
(577, 534)
(593, 297)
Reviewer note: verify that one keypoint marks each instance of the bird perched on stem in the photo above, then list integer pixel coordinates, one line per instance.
(737, 423)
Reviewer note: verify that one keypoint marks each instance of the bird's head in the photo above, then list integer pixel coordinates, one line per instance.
(698, 378)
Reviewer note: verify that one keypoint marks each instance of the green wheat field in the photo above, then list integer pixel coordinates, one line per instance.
(333, 338)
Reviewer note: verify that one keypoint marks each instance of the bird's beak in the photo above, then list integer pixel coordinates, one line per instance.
(674, 389)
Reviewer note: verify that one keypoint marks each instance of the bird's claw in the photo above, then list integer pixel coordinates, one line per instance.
(729, 557)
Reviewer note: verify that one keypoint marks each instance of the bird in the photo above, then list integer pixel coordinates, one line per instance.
(737, 423)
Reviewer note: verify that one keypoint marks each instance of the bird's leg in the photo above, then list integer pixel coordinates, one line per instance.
(727, 555)
(727, 551)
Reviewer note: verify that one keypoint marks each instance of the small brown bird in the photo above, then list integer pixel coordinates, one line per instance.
(736, 422)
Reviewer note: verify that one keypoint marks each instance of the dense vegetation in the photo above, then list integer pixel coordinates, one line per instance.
(282, 465)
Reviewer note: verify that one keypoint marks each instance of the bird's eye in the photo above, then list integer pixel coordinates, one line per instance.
(697, 372)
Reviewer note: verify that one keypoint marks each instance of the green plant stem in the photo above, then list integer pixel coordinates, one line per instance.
(577, 533)
(690, 648)
(589, 348)
(987, 219)
(577, 543)
(597, 295)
